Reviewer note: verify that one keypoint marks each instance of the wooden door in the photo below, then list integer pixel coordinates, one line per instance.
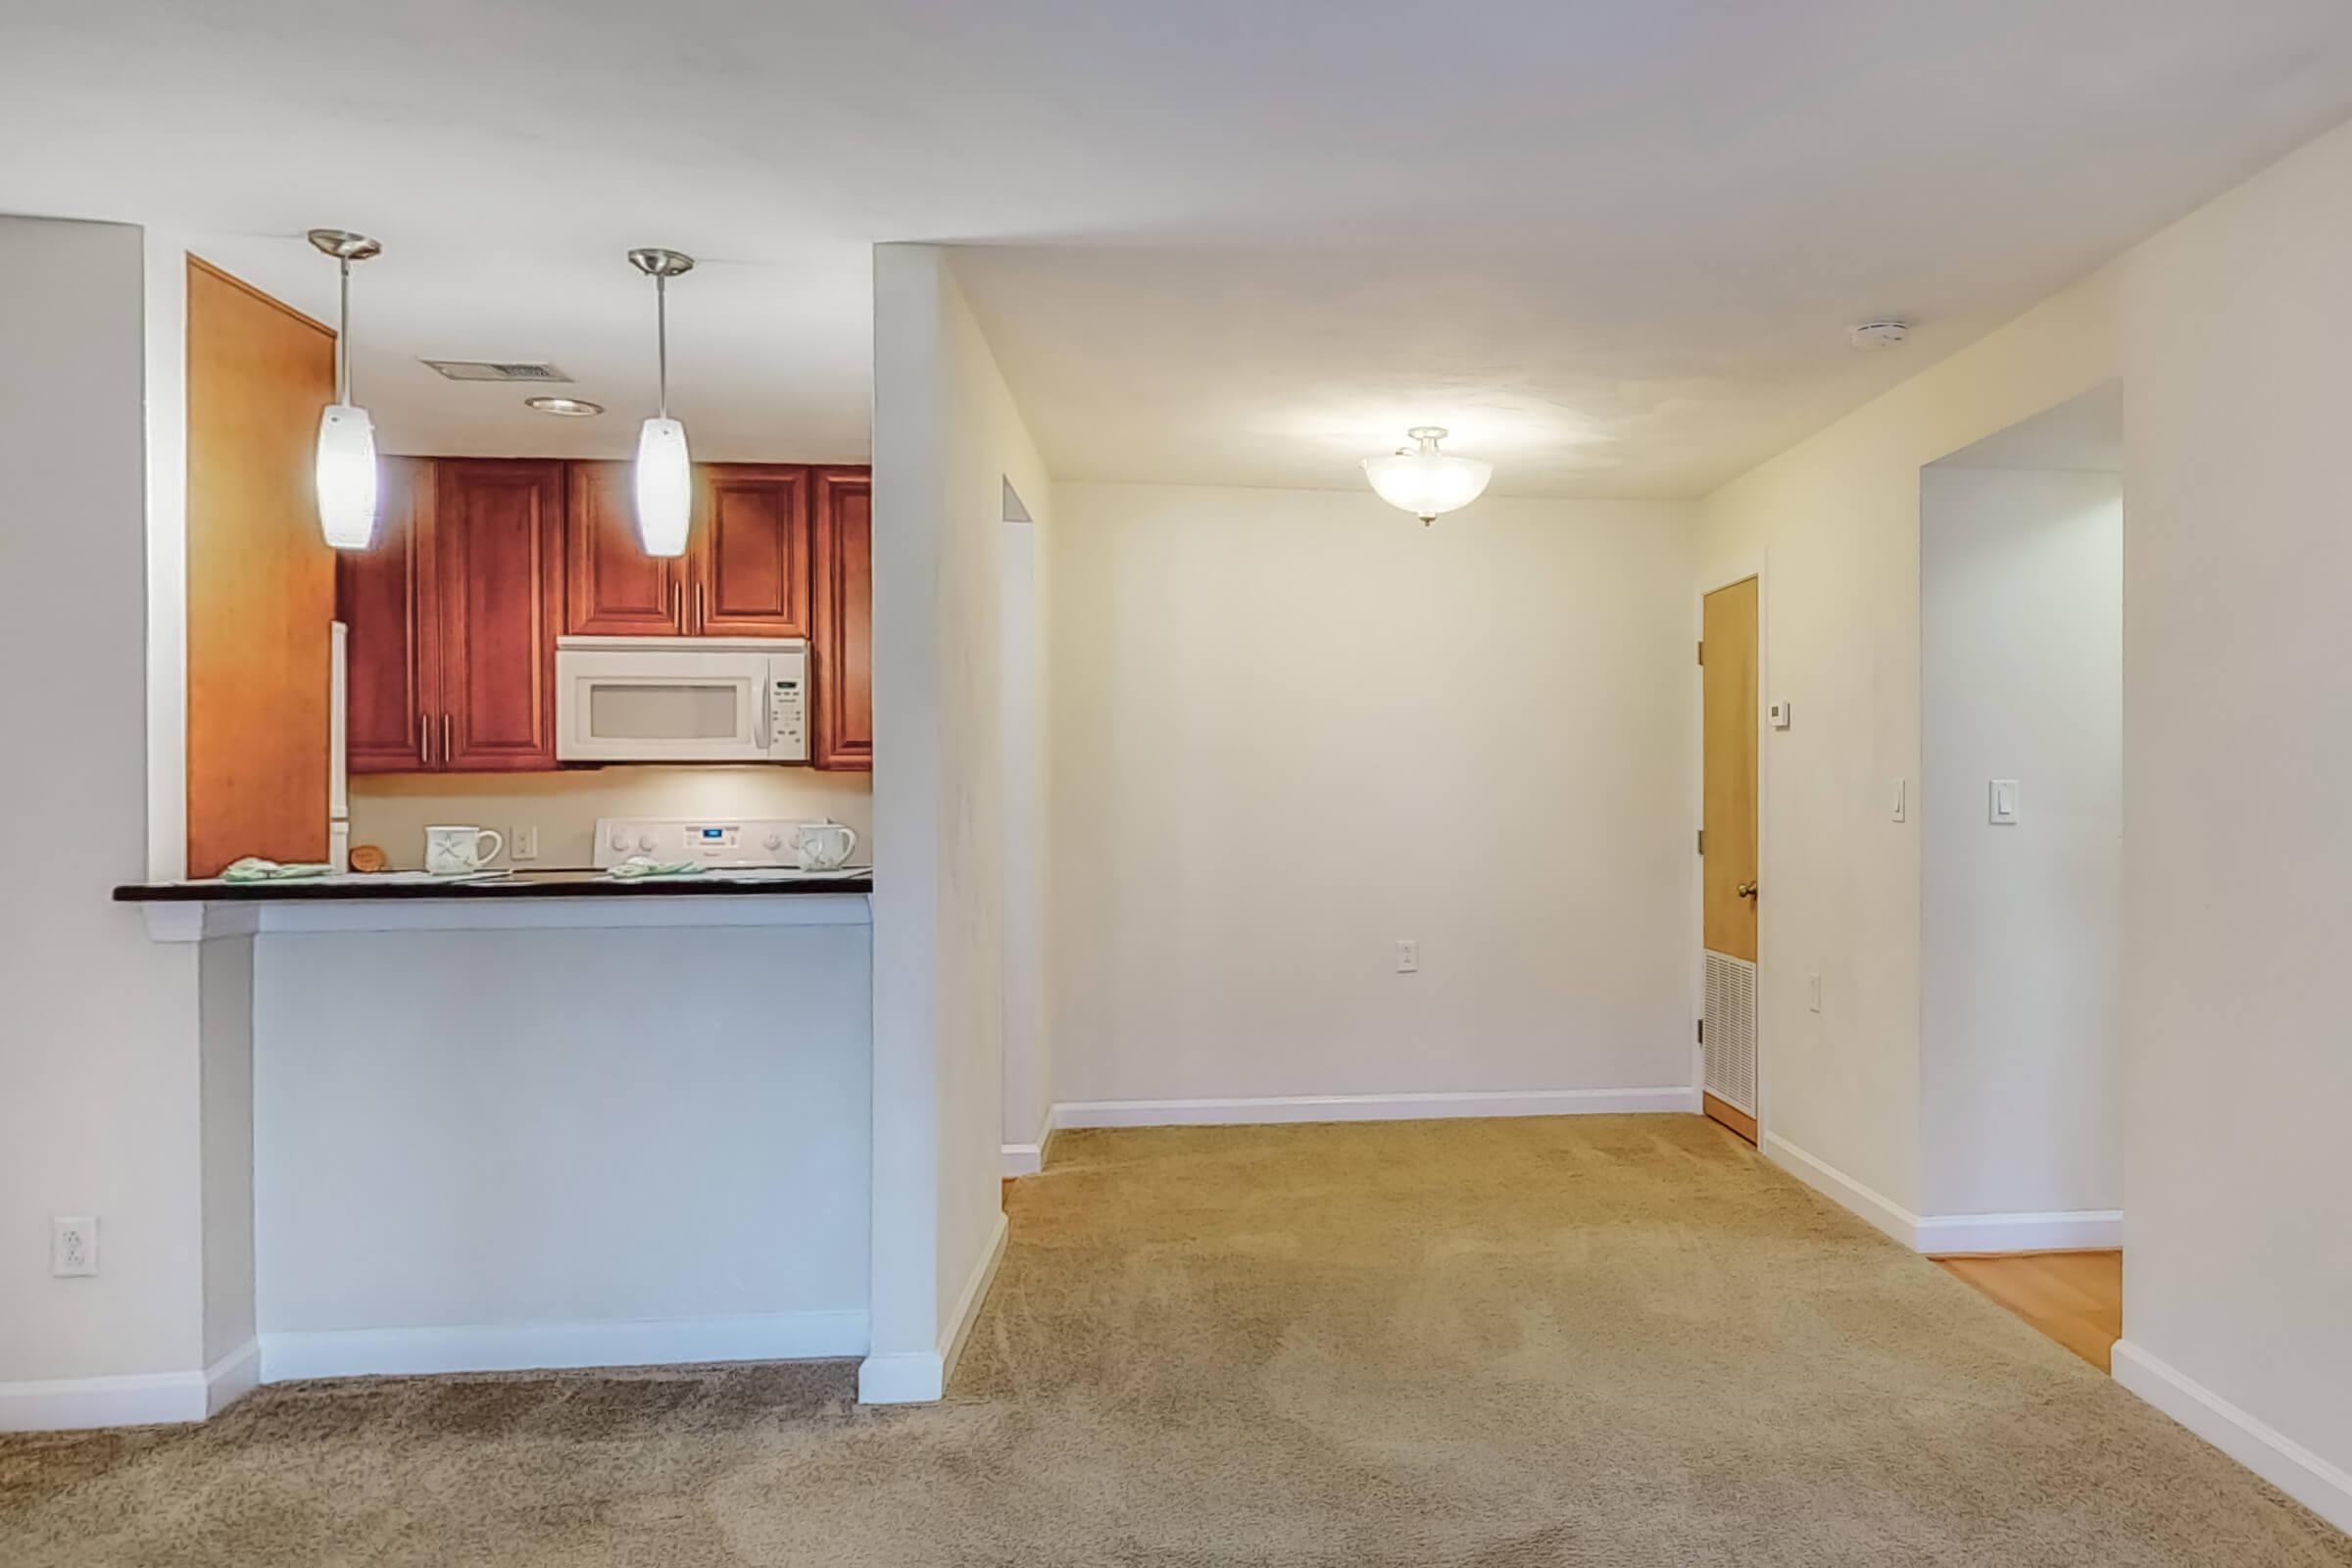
(386, 595)
(261, 580)
(498, 537)
(750, 559)
(841, 647)
(1729, 655)
(614, 588)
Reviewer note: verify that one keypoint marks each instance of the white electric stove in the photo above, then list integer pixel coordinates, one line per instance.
(718, 843)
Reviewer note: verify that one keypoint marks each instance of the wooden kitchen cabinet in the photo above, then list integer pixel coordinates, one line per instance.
(749, 559)
(498, 541)
(453, 618)
(841, 642)
(613, 587)
(385, 595)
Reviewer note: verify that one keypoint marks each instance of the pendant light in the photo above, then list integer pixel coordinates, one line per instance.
(346, 458)
(664, 477)
(1425, 481)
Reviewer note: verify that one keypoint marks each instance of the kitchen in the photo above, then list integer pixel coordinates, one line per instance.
(526, 849)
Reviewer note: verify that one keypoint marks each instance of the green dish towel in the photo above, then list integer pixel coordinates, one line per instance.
(637, 868)
(253, 868)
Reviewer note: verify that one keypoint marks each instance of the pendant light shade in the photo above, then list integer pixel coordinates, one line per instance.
(346, 470)
(664, 471)
(1427, 482)
(345, 463)
(664, 487)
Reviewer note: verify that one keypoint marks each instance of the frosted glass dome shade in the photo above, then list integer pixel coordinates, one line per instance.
(346, 470)
(1427, 482)
(664, 487)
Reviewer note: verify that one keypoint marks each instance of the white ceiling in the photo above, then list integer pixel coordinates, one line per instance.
(1615, 244)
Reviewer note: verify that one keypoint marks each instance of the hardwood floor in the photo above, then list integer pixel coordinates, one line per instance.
(2075, 1297)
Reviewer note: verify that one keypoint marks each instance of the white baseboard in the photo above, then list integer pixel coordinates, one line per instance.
(1950, 1235)
(232, 1377)
(1839, 1187)
(531, 1347)
(2059, 1231)
(1023, 1159)
(919, 1377)
(2323, 1488)
(1370, 1107)
(135, 1400)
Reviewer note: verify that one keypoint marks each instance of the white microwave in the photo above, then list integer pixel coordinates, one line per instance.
(681, 700)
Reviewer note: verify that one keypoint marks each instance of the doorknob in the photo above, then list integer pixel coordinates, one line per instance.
(1746, 889)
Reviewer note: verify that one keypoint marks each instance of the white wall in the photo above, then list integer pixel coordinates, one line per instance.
(1291, 728)
(515, 1136)
(2021, 925)
(2231, 331)
(99, 1067)
(1028, 1054)
(948, 437)
(392, 810)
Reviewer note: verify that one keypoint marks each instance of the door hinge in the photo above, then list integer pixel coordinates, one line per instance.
(1703, 841)
(1703, 1031)
(1703, 652)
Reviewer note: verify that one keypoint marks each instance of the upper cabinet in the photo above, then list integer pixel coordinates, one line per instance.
(749, 558)
(453, 618)
(841, 645)
(498, 549)
(386, 596)
(614, 588)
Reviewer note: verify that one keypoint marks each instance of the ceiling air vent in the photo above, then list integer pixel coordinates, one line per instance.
(496, 371)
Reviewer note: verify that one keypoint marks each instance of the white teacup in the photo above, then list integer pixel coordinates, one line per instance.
(824, 846)
(458, 850)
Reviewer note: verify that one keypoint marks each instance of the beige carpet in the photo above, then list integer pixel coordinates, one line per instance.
(1591, 1341)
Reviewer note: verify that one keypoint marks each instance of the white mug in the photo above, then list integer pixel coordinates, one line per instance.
(457, 851)
(824, 846)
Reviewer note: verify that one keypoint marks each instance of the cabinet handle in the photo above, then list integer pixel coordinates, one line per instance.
(448, 748)
(678, 604)
(702, 607)
(425, 740)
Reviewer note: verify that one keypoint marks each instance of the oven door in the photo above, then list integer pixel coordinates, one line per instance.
(650, 699)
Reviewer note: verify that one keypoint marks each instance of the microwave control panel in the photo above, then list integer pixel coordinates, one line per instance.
(787, 717)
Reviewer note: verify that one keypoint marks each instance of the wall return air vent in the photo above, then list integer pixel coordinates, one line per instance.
(496, 371)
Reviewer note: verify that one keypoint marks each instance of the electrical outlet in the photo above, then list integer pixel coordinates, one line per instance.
(1813, 992)
(1409, 955)
(522, 844)
(74, 1245)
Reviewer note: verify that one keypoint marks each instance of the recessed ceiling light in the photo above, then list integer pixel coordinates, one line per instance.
(569, 408)
(1881, 334)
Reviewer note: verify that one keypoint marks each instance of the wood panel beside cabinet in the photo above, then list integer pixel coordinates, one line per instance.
(260, 581)
(841, 643)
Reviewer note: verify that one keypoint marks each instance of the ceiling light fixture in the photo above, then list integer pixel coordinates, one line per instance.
(1425, 481)
(344, 465)
(664, 474)
(568, 408)
(1884, 334)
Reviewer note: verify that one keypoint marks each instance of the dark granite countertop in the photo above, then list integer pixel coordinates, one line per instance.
(514, 885)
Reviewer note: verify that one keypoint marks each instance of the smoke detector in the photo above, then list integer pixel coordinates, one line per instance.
(496, 371)
(1879, 334)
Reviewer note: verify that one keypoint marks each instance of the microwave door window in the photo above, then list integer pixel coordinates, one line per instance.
(664, 712)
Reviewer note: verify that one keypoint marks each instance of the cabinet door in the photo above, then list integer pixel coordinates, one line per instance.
(385, 595)
(750, 559)
(498, 540)
(842, 645)
(614, 588)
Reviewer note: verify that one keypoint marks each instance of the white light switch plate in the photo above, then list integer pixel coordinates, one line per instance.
(1409, 955)
(2001, 802)
(1778, 713)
